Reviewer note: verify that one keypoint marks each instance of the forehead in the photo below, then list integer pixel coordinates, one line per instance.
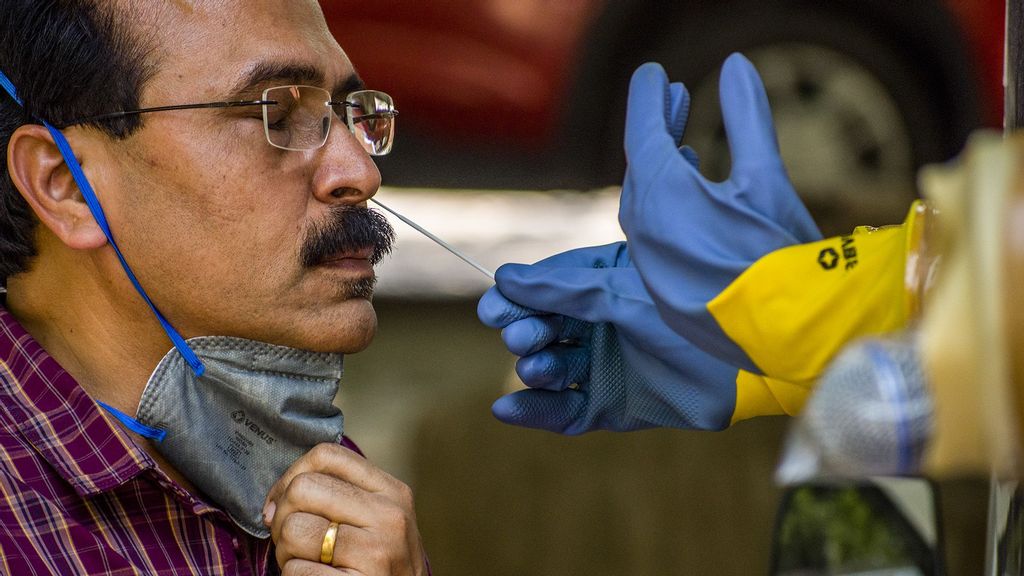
(207, 46)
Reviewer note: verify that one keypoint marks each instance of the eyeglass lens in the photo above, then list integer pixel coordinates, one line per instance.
(300, 118)
(371, 118)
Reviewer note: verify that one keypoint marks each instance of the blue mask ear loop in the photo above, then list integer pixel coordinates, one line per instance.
(101, 219)
(134, 425)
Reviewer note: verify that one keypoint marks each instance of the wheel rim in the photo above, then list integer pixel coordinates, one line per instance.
(843, 139)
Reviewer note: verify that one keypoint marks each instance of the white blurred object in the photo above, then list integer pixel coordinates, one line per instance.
(871, 414)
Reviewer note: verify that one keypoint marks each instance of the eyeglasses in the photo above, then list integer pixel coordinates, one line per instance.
(300, 117)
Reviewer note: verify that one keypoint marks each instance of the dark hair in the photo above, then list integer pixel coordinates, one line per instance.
(68, 59)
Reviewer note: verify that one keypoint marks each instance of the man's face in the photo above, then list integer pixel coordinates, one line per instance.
(213, 220)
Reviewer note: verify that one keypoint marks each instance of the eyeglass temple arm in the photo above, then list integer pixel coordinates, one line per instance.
(122, 114)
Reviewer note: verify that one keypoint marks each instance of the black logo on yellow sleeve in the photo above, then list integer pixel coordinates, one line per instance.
(828, 258)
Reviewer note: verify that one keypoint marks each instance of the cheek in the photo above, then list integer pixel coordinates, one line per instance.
(253, 246)
(221, 226)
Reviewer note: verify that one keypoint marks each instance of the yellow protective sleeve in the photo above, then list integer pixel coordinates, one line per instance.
(763, 396)
(794, 309)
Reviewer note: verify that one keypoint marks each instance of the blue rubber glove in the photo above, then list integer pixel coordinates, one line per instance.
(584, 318)
(689, 237)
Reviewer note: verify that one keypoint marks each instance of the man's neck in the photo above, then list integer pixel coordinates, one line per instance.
(110, 350)
(99, 347)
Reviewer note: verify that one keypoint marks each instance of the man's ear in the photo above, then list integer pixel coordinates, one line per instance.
(39, 172)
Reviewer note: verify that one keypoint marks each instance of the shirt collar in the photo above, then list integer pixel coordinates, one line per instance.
(63, 423)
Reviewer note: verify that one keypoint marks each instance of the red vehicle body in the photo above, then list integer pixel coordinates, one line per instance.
(468, 67)
(531, 93)
(493, 68)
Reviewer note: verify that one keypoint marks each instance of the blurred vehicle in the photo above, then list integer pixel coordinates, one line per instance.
(531, 93)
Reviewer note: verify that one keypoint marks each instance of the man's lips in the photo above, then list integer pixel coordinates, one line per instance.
(354, 259)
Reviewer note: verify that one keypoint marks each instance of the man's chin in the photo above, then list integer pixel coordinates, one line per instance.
(349, 329)
(346, 327)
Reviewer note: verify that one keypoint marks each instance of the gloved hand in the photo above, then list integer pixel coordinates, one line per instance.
(738, 267)
(691, 237)
(584, 317)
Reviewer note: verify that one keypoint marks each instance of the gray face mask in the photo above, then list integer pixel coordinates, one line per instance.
(235, 430)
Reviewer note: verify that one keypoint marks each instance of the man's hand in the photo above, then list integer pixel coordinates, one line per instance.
(377, 533)
(690, 238)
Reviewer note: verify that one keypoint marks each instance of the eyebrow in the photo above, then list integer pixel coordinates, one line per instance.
(263, 73)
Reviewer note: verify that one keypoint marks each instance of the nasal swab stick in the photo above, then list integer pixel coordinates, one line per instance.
(444, 244)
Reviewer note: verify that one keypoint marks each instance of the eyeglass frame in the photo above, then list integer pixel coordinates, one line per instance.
(241, 103)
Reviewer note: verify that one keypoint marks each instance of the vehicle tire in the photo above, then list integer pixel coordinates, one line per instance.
(858, 106)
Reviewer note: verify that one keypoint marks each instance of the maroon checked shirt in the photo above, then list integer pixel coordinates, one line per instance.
(79, 496)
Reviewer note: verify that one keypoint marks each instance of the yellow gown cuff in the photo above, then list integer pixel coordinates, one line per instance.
(794, 309)
(762, 396)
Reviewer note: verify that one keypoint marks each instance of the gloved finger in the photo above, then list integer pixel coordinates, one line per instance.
(558, 412)
(526, 336)
(747, 116)
(555, 367)
(574, 329)
(680, 110)
(648, 112)
(589, 294)
(497, 311)
(754, 147)
(690, 155)
(677, 124)
(604, 256)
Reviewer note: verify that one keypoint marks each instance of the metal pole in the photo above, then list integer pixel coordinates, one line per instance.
(1005, 549)
(1013, 115)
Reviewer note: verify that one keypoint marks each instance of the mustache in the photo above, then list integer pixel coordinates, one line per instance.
(348, 229)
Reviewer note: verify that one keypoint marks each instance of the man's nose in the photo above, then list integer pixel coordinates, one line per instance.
(346, 172)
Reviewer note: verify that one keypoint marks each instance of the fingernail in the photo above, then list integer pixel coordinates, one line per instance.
(268, 513)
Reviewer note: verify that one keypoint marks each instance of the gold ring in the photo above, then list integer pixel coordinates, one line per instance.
(327, 548)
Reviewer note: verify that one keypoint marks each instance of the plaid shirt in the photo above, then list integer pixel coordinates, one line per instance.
(79, 496)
